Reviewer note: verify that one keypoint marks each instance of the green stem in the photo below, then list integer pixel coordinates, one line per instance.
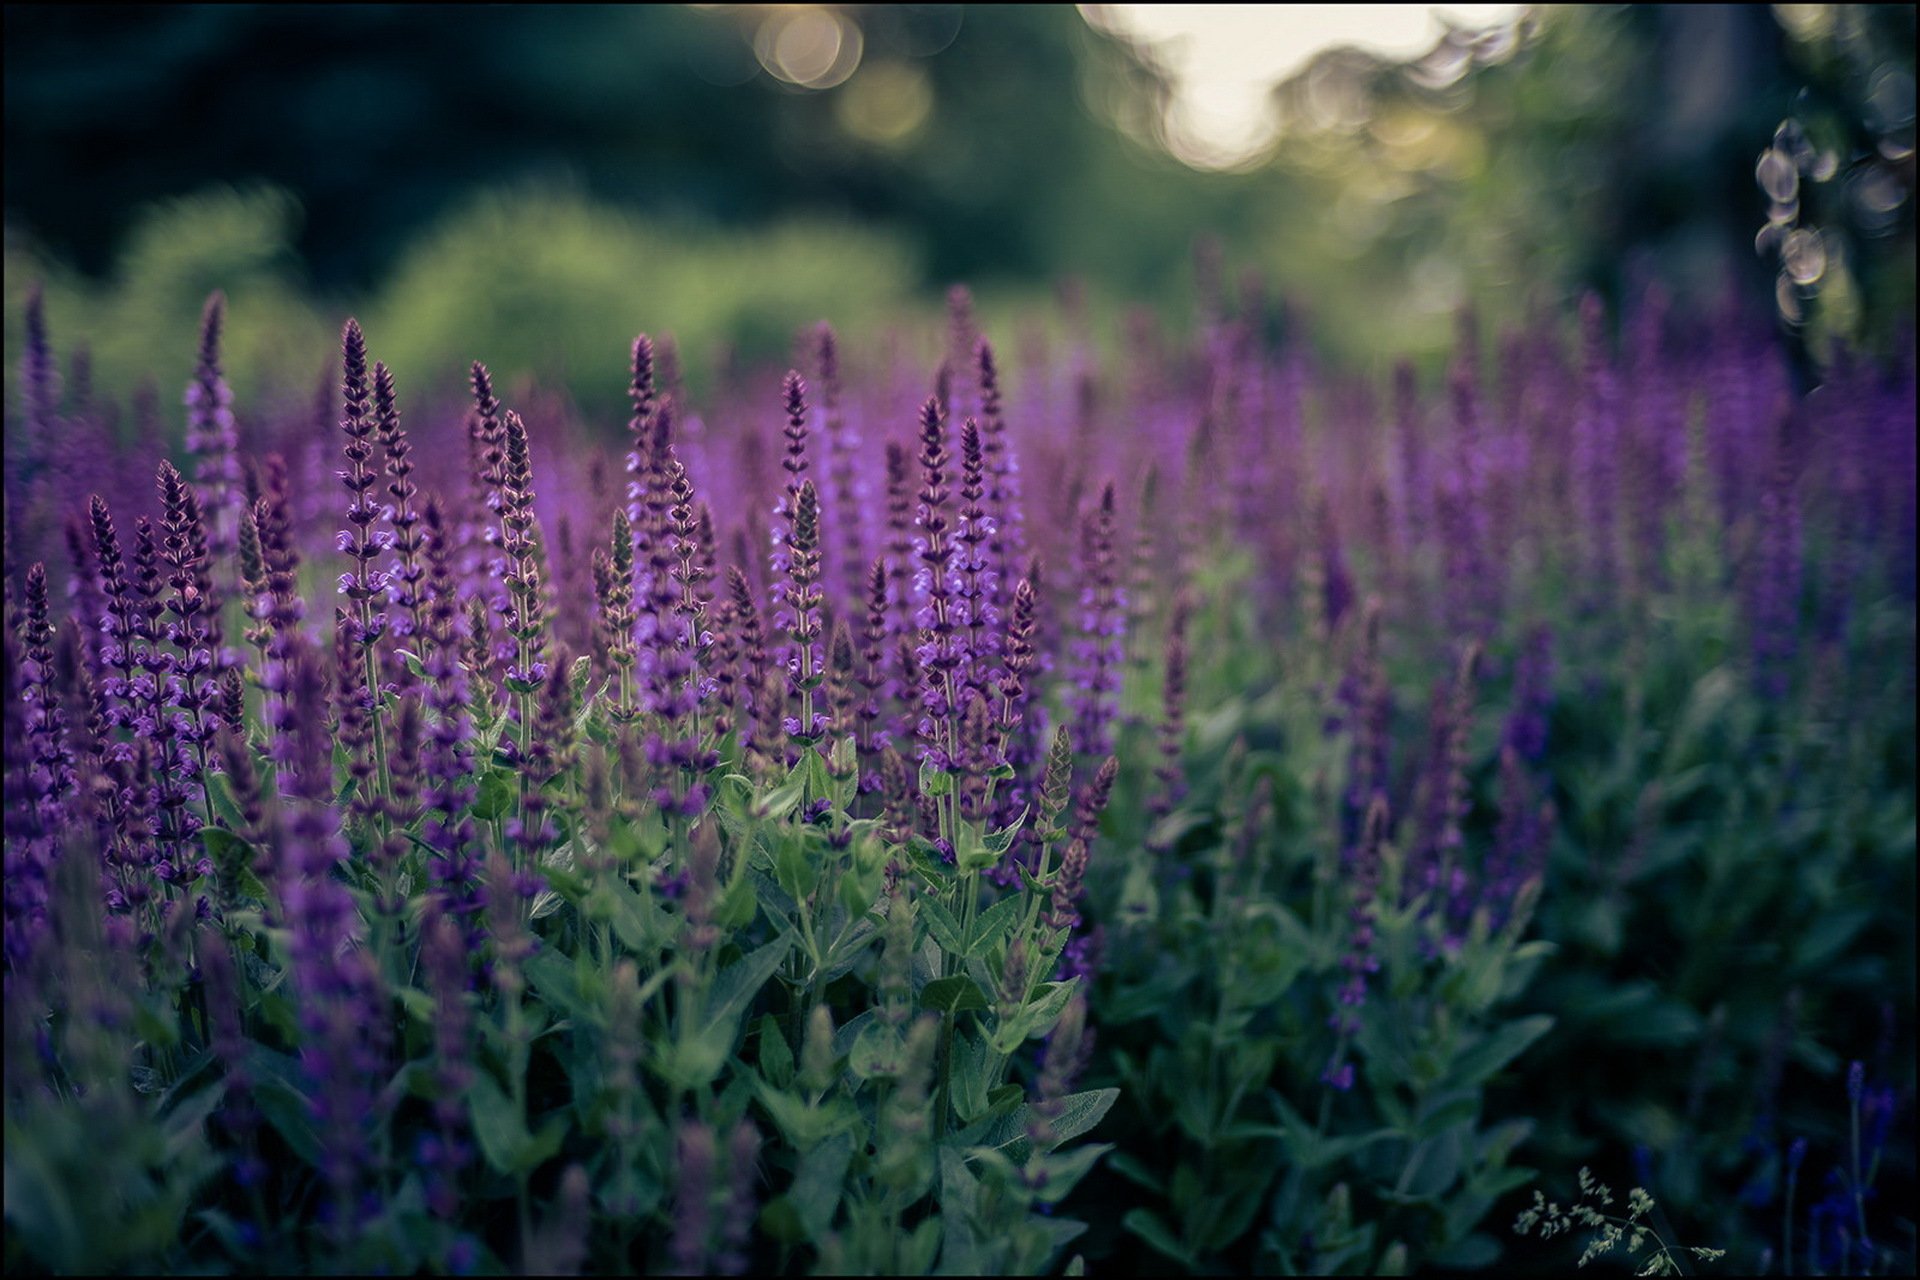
(1786, 1223)
(1859, 1198)
(516, 1038)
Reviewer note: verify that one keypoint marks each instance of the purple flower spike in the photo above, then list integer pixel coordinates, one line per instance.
(212, 438)
(1094, 691)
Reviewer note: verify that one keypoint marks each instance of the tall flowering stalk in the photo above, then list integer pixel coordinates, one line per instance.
(487, 460)
(846, 498)
(1436, 867)
(1168, 774)
(1367, 701)
(342, 1015)
(941, 654)
(900, 545)
(1358, 962)
(528, 611)
(642, 482)
(1006, 542)
(51, 781)
(691, 569)
(361, 542)
(119, 624)
(806, 668)
(213, 440)
(977, 574)
(447, 763)
(872, 735)
(406, 578)
(613, 590)
(1099, 649)
(194, 628)
(794, 462)
(1063, 913)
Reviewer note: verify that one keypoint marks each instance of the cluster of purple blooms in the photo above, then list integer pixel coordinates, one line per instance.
(970, 641)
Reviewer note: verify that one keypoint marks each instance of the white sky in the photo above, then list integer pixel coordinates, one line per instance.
(1225, 57)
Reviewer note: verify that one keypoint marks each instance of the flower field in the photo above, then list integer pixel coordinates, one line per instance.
(982, 805)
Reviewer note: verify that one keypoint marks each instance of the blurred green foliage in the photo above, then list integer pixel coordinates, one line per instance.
(533, 283)
(564, 176)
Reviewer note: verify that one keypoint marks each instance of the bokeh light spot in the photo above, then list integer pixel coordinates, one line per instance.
(1803, 255)
(886, 103)
(1777, 175)
(808, 45)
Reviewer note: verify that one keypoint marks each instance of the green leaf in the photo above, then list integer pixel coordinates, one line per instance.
(813, 771)
(417, 1003)
(928, 860)
(226, 848)
(815, 1193)
(636, 919)
(1147, 1225)
(781, 801)
(183, 1125)
(290, 1115)
(970, 849)
(776, 1058)
(796, 871)
(1066, 1168)
(945, 929)
(495, 794)
(1830, 935)
(1079, 1112)
(1136, 1171)
(992, 924)
(1443, 1110)
(545, 1145)
(741, 981)
(497, 1124)
(555, 980)
(952, 995)
(935, 782)
(738, 904)
(1495, 1051)
(1476, 1252)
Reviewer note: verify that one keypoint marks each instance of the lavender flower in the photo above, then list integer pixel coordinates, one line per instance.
(1526, 727)
(976, 573)
(695, 1157)
(447, 760)
(342, 1014)
(1435, 867)
(1063, 915)
(212, 439)
(743, 1154)
(405, 579)
(847, 495)
(941, 654)
(1094, 689)
(46, 722)
(1168, 774)
(1359, 962)
(1006, 543)
(900, 541)
(613, 589)
(528, 611)
(361, 542)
